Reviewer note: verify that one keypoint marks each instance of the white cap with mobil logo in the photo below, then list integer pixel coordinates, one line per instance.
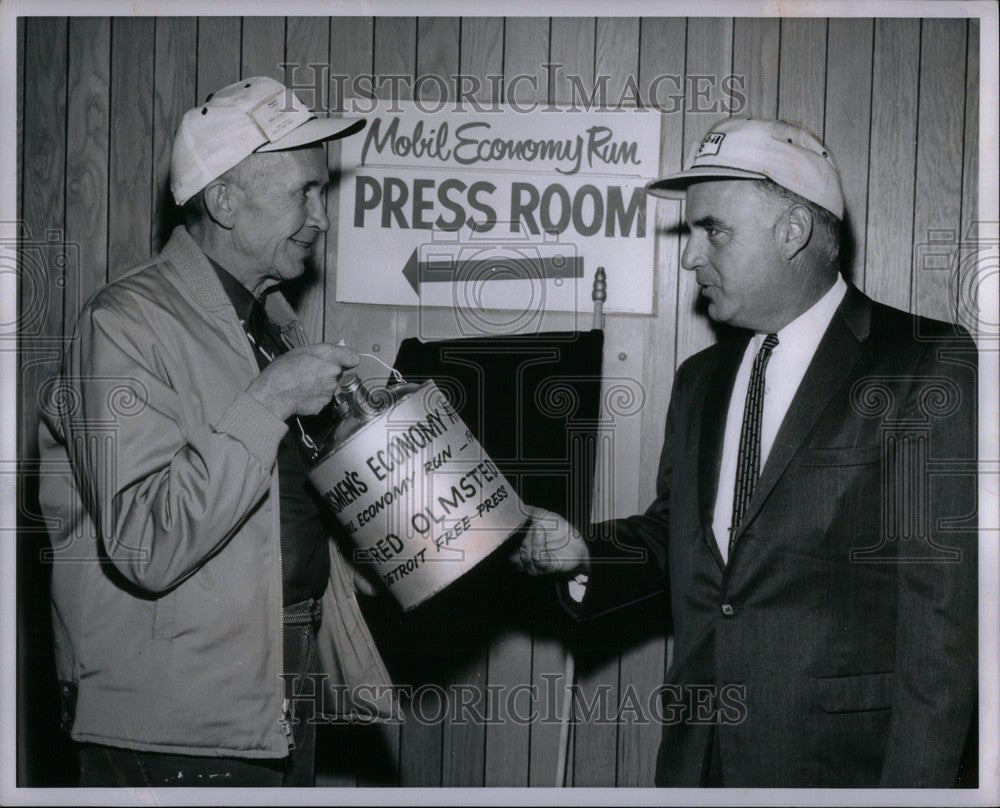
(256, 114)
(746, 148)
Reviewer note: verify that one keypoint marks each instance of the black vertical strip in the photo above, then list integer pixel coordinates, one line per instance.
(638, 74)
(548, 73)
(503, 61)
(549, 79)
(374, 39)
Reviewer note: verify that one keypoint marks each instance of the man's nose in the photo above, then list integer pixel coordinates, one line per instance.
(692, 256)
(317, 215)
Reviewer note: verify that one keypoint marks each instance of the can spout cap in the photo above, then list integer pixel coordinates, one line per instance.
(357, 396)
(349, 382)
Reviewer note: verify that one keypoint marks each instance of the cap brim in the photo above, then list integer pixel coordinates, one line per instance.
(316, 130)
(674, 186)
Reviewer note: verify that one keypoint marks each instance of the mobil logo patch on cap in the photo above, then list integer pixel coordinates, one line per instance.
(710, 145)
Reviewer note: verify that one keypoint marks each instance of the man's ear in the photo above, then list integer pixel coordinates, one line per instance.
(221, 201)
(794, 231)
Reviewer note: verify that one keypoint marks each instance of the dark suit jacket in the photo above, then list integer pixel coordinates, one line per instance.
(840, 640)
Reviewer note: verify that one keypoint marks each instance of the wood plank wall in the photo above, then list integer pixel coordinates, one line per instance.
(896, 100)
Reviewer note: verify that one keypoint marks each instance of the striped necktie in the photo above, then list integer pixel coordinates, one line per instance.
(262, 335)
(748, 469)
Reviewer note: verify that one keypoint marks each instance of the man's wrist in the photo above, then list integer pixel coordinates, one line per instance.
(255, 426)
(263, 396)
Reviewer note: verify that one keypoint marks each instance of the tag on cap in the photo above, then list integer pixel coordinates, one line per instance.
(274, 117)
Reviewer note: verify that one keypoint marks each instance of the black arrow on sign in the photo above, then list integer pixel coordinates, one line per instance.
(506, 268)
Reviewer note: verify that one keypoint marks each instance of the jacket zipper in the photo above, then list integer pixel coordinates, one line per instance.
(286, 703)
(285, 717)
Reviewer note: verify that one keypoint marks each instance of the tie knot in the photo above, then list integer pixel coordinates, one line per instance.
(770, 342)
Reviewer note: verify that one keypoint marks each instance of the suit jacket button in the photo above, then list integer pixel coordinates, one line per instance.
(728, 610)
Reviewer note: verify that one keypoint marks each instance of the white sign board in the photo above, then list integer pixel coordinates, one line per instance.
(499, 209)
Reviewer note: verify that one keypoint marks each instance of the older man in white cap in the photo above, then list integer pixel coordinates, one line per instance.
(196, 591)
(822, 581)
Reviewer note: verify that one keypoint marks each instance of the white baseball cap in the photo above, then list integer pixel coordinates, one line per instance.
(745, 148)
(257, 114)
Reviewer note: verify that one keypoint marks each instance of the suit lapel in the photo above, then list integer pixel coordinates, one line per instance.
(835, 357)
(713, 430)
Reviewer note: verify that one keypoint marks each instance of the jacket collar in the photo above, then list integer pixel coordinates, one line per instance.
(243, 299)
(194, 270)
(856, 312)
(197, 274)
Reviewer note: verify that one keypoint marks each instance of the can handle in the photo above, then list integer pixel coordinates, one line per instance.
(395, 373)
(307, 440)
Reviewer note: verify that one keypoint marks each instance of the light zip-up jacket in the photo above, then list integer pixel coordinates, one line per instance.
(160, 488)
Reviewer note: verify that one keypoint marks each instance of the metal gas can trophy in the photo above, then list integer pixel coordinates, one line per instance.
(418, 495)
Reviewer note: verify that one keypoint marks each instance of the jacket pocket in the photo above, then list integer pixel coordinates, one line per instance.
(840, 455)
(854, 694)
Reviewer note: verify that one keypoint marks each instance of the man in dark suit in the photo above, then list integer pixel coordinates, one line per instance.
(815, 518)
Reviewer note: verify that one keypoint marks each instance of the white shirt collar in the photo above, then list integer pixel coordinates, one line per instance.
(803, 334)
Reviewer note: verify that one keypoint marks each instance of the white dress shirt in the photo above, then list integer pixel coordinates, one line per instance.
(797, 344)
